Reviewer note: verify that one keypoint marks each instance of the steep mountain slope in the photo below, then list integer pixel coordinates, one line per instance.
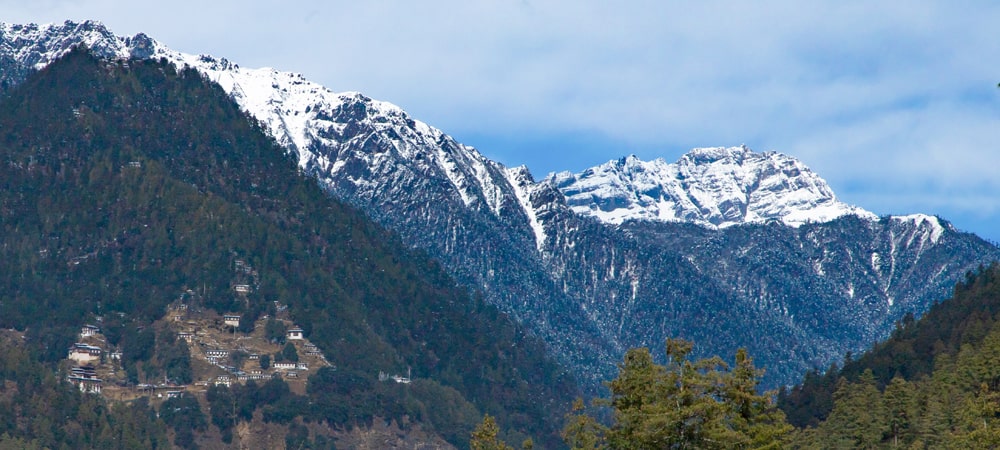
(727, 246)
(797, 297)
(127, 185)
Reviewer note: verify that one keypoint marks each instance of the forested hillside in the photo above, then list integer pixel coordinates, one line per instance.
(126, 184)
(933, 384)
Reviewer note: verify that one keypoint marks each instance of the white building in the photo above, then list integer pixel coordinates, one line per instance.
(217, 354)
(89, 330)
(83, 353)
(232, 320)
(85, 378)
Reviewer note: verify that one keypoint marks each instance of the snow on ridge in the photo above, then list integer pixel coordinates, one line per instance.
(521, 181)
(492, 191)
(39, 45)
(294, 110)
(715, 187)
(931, 226)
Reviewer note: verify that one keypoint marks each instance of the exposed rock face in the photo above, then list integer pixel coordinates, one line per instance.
(727, 246)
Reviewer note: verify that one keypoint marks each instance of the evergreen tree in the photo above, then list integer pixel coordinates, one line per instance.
(752, 414)
(942, 399)
(582, 431)
(900, 408)
(980, 427)
(288, 353)
(858, 416)
(274, 330)
(484, 437)
(683, 404)
(185, 416)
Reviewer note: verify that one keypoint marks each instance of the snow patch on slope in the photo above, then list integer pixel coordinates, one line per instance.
(930, 228)
(520, 179)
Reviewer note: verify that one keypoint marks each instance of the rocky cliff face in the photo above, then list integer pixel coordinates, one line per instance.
(727, 246)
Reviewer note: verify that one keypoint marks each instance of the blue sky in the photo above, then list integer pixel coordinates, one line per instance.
(895, 103)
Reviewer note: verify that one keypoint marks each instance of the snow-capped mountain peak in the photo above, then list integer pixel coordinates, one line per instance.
(714, 187)
(35, 46)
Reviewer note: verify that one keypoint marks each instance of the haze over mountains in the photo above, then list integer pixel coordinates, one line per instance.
(727, 246)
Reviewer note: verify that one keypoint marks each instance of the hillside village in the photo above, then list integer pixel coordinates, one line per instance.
(223, 353)
(220, 353)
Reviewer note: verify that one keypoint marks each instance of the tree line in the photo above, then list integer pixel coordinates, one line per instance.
(683, 403)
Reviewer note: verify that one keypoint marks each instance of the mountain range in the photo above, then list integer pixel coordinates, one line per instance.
(727, 246)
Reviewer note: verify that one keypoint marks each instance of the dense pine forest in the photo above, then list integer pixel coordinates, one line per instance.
(131, 185)
(933, 384)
